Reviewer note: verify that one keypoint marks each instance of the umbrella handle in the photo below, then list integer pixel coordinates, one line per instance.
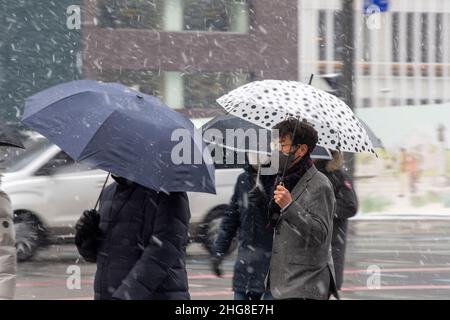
(101, 192)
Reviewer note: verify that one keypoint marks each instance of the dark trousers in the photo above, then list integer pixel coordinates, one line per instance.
(338, 244)
(251, 295)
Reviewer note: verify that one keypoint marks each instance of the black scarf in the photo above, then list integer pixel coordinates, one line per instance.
(294, 174)
(290, 180)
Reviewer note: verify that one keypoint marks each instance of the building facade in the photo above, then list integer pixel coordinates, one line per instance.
(38, 49)
(402, 56)
(189, 52)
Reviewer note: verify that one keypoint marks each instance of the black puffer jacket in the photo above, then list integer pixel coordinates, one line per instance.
(141, 247)
(346, 200)
(255, 234)
(346, 207)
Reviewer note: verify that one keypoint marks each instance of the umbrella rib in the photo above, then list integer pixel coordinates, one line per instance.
(25, 117)
(80, 158)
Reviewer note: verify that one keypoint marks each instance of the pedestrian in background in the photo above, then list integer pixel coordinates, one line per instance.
(248, 213)
(403, 165)
(346, 207)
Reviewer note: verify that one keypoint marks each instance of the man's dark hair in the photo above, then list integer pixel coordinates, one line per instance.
(304, 133)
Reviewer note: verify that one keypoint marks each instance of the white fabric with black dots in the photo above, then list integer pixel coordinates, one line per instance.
(268, 102)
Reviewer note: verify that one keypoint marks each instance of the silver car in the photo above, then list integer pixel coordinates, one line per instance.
(49, 191)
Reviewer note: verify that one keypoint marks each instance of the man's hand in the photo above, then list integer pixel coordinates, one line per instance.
(282, 196)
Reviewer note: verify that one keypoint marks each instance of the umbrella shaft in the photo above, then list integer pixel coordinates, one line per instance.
(101, 192)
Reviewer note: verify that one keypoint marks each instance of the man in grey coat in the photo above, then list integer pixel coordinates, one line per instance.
(303, 206)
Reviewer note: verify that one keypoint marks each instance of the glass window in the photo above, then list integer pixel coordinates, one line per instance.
(424, 36)
(366, 43)
(424, 101)
(203, 88)
(322, 32)
(410, 102)
(366, 103)
(137, 14)
(216, 15)
(439, 40)
(178, 90)
(175, 15)
(396, 102)
(338, 35)
(62, 163)
(146, 81)
(410, 37)
(58, 163)
(16, 159)
(395, 36)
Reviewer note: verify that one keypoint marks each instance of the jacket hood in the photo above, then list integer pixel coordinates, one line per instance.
(332, 165)
(336, 163)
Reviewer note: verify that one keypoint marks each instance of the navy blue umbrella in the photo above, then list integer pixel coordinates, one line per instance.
(124, 132)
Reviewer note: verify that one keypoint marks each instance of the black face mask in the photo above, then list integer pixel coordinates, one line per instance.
(285, 160)
(122, 181)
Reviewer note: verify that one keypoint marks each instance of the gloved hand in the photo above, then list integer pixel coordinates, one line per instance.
(215, 265)
(87, 226)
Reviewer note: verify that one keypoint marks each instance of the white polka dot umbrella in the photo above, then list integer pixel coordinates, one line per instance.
(268, 102)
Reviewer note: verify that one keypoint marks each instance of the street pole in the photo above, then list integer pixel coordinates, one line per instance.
(347, 24)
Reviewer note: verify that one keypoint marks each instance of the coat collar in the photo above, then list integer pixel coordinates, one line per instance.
(303, 182)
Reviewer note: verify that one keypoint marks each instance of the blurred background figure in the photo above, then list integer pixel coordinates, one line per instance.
(413, 172)
(248, 213)
(7, 249)
(346, 207)
(408, 171)
(403, 160)
(442, 156)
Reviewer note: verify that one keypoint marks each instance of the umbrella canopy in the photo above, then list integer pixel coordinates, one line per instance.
(9, 137)
(233, 134)
(122, 131)
(376, 142)
(269, 102)
(261, 144)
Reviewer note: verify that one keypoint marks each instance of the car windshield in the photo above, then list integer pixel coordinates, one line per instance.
(16, 159)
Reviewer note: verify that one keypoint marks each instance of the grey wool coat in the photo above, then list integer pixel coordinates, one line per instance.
(301, 266)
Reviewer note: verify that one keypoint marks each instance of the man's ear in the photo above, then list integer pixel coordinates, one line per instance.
(303, 149)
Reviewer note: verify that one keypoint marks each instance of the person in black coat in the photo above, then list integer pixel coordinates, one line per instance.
(247, 213)
(138, 240)
(346, 207)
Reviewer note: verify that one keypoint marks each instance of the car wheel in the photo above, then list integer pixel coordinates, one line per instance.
(210, 230)
(28, 235)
